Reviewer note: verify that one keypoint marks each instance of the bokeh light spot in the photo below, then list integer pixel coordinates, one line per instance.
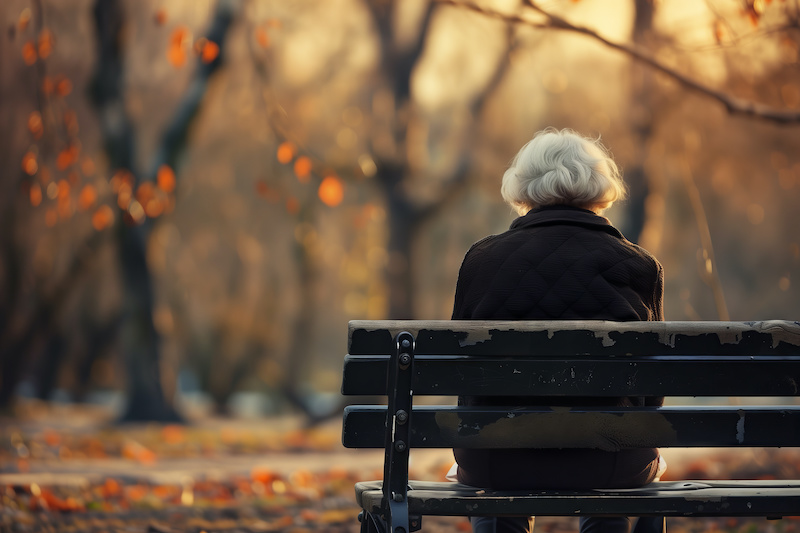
(331, 191)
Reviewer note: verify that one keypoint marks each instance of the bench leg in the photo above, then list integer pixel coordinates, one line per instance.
(371, 523)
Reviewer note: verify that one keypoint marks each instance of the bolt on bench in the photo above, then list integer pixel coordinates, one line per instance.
(402, 359)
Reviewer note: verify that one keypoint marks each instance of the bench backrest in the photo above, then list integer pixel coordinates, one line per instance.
(572, 358)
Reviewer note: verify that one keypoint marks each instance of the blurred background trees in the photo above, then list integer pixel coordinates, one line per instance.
(196, 197)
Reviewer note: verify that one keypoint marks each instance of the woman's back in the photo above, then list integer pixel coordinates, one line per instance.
(559, 263)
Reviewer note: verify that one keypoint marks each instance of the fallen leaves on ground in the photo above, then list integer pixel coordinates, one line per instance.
(264, 498)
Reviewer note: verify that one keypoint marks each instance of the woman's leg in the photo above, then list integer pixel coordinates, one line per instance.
(502, 524)
(650, 524)
(605, 524)
(621, 524)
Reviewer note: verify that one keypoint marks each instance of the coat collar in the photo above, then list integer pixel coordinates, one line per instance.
(564, 214)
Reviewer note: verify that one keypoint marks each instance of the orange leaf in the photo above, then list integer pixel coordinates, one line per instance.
(209, 52)
(281, 523)
(301, 478)
(71, 121)
(111, 487)
(176, 56)
(331, 191)
(134, 450)
(24, 19)
(64, 86)
(87, 197)
(45, 43)
(173, 434)
(296, 439)
(286, 152)
(154, 207)
(35, 125)
(63, 189)
(262, 37)
(51, 437)
(51, 217)
(102, 218)
(29, 163)
(35, 194)
(29, 54)
(166, 178)
(720, 31)
(66, 157)
(160, 17)
(53, 502)
(464, 526)
(302, 168)
(145, 192)
(309, 515)
(337, 472)
(266, 192)
(292, 206)
(176, 50)
(124, 197)
(136, 492)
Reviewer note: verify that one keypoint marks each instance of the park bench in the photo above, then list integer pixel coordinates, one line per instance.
(403, 359)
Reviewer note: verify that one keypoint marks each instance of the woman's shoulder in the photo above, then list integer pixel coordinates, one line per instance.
(641, 252)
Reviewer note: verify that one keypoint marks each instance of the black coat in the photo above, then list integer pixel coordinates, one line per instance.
(558, 263)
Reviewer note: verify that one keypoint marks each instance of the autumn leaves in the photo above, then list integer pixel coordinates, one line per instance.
(330, 189)
(63, 180)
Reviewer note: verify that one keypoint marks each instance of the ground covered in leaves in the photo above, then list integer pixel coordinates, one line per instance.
(65, 468)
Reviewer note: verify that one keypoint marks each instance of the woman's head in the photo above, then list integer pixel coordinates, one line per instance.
(562, 167)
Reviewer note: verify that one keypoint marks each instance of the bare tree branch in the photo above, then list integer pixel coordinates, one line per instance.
(458, 177)
(708, 269)
(733, 104)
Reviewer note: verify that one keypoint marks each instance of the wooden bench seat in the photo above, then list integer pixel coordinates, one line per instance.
(768, 498)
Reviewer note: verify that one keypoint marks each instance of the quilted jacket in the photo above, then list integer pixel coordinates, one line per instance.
(558, 263)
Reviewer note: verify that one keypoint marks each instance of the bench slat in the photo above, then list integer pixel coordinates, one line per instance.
(700, 498)
(596, 376)
(773, 337)
(603, 428)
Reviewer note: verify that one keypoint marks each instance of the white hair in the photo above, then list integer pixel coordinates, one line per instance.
(562, 167)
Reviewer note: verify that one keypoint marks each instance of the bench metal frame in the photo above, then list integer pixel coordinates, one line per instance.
(401, 359)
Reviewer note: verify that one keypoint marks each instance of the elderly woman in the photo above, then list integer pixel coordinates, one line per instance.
(560, 260)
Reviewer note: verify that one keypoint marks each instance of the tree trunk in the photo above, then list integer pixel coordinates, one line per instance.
(141, 346)
(403, 223)
(642, 124)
